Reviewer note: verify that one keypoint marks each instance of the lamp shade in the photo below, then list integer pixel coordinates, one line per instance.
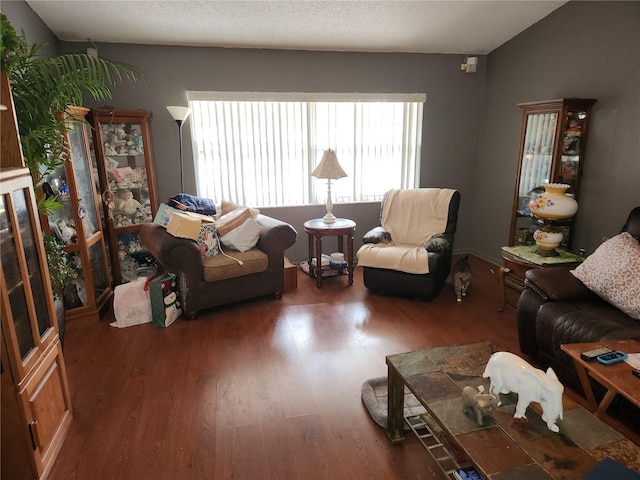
(178, 113)
(329, 167)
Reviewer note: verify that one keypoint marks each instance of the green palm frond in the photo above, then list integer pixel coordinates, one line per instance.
(43, 87)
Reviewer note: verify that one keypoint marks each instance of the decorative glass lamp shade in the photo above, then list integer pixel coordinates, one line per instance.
(330, 169)
(547, 240)
(553, 204)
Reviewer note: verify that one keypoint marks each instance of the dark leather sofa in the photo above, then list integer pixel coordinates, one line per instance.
(556, 308)
(256, 276)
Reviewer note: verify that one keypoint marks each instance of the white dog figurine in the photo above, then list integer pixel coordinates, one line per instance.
(510, 373)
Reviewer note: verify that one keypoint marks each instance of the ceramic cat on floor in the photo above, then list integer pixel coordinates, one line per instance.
(461, 275)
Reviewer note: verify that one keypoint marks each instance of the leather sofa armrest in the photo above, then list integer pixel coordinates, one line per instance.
(275, 235)
(377, 235)
(175, 254)
(557, 283)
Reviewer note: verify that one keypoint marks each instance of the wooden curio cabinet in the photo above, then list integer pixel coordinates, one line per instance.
(552, 150)
(78, 224)
(36, 404)
(124, 161)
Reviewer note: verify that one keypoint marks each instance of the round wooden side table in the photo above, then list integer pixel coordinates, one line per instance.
(316, 229)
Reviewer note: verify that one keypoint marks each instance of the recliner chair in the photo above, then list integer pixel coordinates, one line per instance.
(408, 276)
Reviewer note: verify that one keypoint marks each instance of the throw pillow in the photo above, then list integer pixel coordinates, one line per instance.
(613, 272)
(244, 237)
(231, 220)
(226, 207)
(208, 240)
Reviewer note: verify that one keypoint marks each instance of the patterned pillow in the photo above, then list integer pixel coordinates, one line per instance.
(208, 240)
(613, 272)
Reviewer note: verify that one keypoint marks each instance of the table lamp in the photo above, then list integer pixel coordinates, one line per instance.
(329, 169)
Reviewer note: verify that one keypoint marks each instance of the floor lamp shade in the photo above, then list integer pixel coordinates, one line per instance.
(180, 114)
(330, 169)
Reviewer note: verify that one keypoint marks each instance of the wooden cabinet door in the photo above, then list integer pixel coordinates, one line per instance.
(46, 404)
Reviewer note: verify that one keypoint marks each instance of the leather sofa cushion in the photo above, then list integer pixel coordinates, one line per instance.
(221, 267)
(577, 322)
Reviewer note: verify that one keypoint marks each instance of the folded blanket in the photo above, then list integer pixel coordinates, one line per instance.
(411, 217)
(191, 203)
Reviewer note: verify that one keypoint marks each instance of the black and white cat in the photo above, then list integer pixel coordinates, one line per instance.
(461, 275)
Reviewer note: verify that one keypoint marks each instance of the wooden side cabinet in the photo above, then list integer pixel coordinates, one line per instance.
(35, 400)
(123, 157)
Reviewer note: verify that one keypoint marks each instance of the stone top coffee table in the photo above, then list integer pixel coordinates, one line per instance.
(500, 449)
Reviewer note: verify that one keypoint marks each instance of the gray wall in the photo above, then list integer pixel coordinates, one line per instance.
(25, 20)
(583, 49)
(451, 118)
(471, 125)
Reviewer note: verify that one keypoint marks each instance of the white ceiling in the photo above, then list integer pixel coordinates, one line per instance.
(420, 26)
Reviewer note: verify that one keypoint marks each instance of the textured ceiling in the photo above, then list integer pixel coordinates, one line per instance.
(445, 26)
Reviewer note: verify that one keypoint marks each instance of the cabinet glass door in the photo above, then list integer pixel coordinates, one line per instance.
(126, 169)
(19, 249)
(87, 209)
(536, 161)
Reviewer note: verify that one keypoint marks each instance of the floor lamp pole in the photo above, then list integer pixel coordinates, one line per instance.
(179, 122)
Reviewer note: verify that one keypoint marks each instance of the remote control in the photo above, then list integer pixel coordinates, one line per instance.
(612, 357)
(591, 355)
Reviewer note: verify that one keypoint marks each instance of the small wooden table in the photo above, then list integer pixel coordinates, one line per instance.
(616, 378)
(316, 229)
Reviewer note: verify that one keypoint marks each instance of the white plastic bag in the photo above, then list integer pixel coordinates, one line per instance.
(131, 304)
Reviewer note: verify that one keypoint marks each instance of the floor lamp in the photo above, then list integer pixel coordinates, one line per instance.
(180, 114)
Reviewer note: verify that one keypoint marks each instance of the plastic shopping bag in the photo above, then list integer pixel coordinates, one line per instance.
(131, 304)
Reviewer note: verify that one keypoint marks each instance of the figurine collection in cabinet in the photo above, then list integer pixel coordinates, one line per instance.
(125, 165)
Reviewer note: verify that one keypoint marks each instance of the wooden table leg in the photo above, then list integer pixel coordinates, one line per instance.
(350, 258)
(319, 261)
(586, 386)
(606, 401)
(395, 407)
(501, 273)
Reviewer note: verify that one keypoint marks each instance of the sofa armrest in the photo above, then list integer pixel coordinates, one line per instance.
(557, 283)
(175, 254)
(275, 235)
(376, 235)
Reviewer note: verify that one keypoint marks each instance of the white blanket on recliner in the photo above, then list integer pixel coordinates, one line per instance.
(411, 217)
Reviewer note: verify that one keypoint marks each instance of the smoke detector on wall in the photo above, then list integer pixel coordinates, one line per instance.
(470, 64)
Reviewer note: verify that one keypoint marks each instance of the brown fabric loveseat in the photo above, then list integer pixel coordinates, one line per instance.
(212, 281)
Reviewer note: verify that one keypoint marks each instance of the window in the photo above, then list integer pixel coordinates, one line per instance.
(259, 149)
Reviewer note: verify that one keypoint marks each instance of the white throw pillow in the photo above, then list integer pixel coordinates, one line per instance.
(613, 272)
(244, 237)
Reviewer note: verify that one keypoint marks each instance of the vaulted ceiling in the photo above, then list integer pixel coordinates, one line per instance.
(420, 26)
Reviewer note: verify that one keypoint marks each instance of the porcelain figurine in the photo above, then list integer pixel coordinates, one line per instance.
(478, 402)
(510, 373)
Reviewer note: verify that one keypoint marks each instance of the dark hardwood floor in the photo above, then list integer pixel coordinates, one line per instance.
(268, 389)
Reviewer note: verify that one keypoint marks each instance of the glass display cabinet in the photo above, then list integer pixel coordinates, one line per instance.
(123, 157)
(552, 150)
(553, 140)
(36, 403)
(77, 222)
